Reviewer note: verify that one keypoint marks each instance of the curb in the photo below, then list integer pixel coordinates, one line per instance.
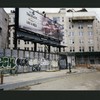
(13, 86)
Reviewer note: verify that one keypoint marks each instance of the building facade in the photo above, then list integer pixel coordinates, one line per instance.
(3, 28)
(81, 35)
(81, 30)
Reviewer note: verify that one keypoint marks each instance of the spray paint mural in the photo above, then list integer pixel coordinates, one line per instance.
(25, 61)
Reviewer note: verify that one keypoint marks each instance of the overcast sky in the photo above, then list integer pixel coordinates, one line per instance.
(97, 10)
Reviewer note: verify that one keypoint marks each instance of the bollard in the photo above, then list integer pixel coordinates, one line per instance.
(1, 78)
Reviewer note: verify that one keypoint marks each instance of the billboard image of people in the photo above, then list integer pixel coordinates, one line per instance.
(33, 21)
(52, 28)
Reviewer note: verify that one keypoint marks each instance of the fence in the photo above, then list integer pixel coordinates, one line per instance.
(27, 61)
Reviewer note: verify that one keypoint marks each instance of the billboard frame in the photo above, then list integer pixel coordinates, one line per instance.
(42, 39)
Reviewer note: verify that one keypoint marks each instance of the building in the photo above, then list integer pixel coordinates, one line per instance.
(3, 28)
(81, 33)
(81, 36)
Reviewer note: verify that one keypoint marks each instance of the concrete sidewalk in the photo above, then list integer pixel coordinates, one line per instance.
(25, 79)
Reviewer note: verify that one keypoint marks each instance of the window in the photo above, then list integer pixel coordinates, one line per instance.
(72, 26)
(32, 48)
(71, 41)
(71, 33)
(69, 27)
(81, 41)
(62, 19)
(81, 49)
(63, 42)
(90, 41)
(80, 33)
(72, 49)
(91, 48)
(89, 26)
(5, 19)
(9, 20)
(90, 33)
(57, 19)
(80, 27)
(62, 27)
(18, 41)
(27, 48)
(69, 20)
(26, 42)
(8, 41)
(63, 49)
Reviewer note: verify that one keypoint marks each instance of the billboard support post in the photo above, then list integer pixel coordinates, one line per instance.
(35, 47)
(16, 27)
(59, 49)
(49, 48)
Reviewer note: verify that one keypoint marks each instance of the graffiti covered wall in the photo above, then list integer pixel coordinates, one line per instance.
(27, 61)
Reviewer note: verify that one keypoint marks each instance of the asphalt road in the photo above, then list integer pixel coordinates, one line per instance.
(80, 81)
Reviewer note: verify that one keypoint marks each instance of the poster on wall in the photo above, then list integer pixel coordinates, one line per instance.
(34, 21)
(56, 57)
(36, 55)
(47, 56)
(21, 55)
(40, 55)
(7, 52)
(27, 54)
(14, 53)
(31, 55)
(50, 56)
(1, 52)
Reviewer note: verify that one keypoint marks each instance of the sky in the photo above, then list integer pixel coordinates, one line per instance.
(52, 10)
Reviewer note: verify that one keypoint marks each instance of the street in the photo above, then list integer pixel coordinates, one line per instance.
(79, 81)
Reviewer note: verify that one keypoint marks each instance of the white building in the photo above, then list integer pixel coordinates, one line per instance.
(81, 30)
(3, 28)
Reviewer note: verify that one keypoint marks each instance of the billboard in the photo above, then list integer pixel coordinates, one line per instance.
(33, 21)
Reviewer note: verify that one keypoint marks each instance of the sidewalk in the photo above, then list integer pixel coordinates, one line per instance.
(25, 79)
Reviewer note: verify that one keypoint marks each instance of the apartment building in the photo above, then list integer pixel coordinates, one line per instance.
(81, 35)
(81, 30)
(3, 28)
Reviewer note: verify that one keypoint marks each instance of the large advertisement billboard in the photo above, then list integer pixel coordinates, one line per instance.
(33, 21)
